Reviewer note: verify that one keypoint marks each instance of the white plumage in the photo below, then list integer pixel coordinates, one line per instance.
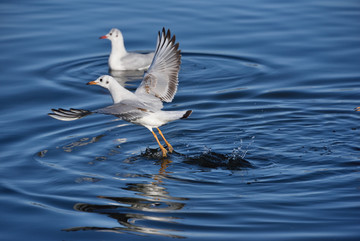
(120, 59)
(144, 107)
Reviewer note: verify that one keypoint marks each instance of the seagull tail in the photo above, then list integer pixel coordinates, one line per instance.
(168, 116)
(68, 115)
(187, 114)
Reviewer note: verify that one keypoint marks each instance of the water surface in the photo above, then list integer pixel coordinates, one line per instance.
(270, 152)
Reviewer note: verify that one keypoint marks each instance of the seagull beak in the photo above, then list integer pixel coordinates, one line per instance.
(91, 83)
(103, 37)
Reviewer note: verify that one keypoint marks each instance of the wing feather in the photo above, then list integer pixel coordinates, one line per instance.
(69, 115)
(161, 79)
(127, 110)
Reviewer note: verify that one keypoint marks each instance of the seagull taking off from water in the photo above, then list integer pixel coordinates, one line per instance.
(120, 59)
(144, 106)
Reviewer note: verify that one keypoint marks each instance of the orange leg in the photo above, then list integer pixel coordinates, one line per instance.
(357, 108)
(164, 151)
(171, 149)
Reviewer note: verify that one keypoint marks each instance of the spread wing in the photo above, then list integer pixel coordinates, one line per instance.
(127, 110)
(161, 79)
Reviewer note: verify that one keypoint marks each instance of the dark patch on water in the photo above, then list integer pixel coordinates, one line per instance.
(213, 159)
(208, 158)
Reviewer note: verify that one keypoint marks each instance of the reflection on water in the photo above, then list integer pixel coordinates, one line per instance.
(82, 142)
(70, 147)
(123, 76)
(149, 208)
(138, 214)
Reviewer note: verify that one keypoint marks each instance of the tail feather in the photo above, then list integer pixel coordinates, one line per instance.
(168, 116)
(68, 115)
(187, 114)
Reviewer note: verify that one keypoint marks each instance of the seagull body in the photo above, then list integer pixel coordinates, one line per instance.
(144, 106)
(120, 59)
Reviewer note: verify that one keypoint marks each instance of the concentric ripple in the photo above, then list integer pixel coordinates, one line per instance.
(119, 157)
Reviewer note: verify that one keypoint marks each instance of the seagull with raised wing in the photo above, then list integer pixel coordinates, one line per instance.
(120, 59)
(144, 106)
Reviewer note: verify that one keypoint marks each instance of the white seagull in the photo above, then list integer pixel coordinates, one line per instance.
(120, 59)
(144, 106)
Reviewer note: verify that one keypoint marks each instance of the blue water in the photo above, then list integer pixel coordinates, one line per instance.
(271, 151)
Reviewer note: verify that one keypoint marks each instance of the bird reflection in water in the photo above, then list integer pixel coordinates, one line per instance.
(124, 77)
(82, 142)
(138, 214)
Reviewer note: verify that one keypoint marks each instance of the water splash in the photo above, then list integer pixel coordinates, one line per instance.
(208, 158)
(239, 151)
(231, 161)
(212, 159)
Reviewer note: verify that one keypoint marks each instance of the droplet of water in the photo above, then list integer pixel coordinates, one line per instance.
(247, 147)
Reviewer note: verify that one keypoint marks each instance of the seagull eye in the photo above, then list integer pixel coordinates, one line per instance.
(100, 80)
(110, 34)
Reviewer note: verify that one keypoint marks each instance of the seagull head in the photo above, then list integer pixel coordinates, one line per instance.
(104, 81)
(114, 34)
(117, 91)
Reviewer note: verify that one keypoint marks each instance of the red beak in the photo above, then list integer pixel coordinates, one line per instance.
(103, 37)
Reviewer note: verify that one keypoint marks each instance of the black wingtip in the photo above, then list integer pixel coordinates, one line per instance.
(166, 34)
(187, 114)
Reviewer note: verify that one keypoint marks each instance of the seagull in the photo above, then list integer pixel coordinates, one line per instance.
(144, 106)
(120, 59)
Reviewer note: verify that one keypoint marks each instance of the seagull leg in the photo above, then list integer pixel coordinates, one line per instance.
(171, 149)
(164, 151)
